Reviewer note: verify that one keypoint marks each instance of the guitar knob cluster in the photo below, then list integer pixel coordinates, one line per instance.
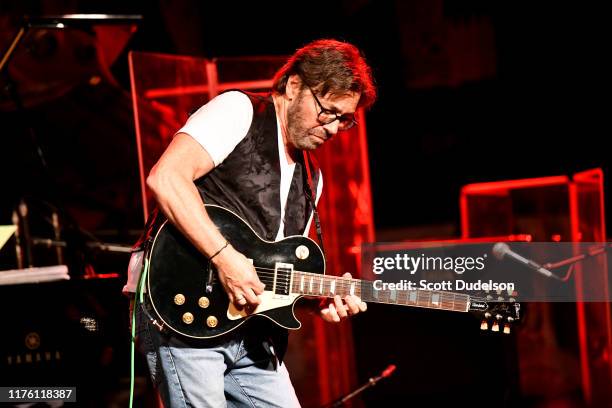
(203, 302)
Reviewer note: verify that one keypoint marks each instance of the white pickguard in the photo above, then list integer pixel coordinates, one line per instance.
(269, 301)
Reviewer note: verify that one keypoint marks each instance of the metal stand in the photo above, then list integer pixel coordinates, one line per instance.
(371, 382)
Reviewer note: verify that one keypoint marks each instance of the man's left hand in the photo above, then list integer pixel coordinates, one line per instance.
(335, 310)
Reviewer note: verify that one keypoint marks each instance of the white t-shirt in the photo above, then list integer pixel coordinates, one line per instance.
(218, 127)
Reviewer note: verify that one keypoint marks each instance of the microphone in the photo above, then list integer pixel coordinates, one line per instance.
(501, 250)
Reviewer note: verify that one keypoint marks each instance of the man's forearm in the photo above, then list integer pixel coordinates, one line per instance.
(179, 200)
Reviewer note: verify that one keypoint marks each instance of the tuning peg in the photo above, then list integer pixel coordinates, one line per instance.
(506, 329)
(498, 316)
(487, 315)
(495, 327)
(484, 325)
(510, 319)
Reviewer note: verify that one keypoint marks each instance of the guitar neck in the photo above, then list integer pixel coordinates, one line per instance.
(312, 284)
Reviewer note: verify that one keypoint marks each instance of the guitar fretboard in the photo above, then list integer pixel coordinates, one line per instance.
(312, 284)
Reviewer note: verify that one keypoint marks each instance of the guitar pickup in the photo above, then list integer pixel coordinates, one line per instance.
(283, 278)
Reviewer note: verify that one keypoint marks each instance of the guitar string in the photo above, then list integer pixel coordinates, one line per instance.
(344, 281)
(448, 301)
(347, 282)
(339, 279)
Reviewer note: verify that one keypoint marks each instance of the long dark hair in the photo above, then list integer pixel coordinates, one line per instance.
(329, 66)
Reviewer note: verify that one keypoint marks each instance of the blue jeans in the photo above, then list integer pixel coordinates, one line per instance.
(236, 371)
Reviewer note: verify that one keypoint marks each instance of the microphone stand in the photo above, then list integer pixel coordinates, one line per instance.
(592, 252)
(371, 382)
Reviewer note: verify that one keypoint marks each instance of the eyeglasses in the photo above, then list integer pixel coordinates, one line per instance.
(326, 116)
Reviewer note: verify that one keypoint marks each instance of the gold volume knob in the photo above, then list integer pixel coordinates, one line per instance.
(188, 318)
(203, 302)
(179, 299)
(211, 321)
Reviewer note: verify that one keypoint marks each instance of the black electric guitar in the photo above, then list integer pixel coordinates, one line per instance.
(188, 298)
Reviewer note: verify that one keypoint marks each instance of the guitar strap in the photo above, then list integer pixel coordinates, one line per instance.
(310, 196)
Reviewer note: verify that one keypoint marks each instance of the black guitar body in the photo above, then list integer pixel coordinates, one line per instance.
(187, 295)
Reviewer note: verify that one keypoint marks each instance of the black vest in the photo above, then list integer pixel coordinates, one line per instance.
(248, 180)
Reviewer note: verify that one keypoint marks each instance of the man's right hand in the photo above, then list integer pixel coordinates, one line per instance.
(238, 277)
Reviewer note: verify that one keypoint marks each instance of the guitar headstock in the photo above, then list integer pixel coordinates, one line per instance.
(497, 315)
